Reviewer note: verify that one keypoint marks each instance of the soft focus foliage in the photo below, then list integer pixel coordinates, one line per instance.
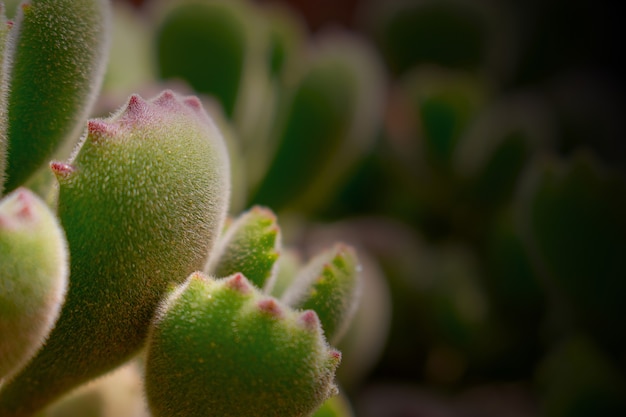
(469, 154)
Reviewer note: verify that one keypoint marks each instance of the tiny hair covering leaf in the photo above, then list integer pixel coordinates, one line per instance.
(142, 203)
(5, 26)
(251, 246)
(33, 276)
(57, 54)
(330, 285)
(223, 348)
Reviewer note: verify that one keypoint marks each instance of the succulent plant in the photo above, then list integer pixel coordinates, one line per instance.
(182, 256)
(110, 262)
(207, 329)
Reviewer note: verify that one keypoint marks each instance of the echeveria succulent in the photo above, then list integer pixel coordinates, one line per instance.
(142, 203)
(223, 348)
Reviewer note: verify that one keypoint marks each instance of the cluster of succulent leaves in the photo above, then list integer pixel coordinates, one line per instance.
(506, 262)
(512, 212)
(499, 234)
(127, 249)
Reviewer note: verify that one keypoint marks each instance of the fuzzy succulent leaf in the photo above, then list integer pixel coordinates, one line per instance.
(33, 276)
(325, 124)
(329, 284)
(250, 246)
(5, 26)
(57, 51)
(204, 43)
(444, 105)
(572, 215)
(222, 348)
(498, 144)
(142, 203)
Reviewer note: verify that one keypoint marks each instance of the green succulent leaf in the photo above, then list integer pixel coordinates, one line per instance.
(325, 123)
(33, 276)
(222, 348)
(329, 284)
(142, 203)
(250, 246)
(572, 215)
(5, 27)
(448, 33)
(444, 103)
(205, 44)
(498, 145)
(57, 52)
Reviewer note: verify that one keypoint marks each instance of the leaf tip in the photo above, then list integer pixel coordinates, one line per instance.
(238, 283)
(270, 307)
(62, 171)
(309, 320)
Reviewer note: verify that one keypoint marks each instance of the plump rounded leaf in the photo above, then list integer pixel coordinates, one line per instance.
(33, 276)
(328, 120)
(205, 44)
(222, 348)
(142, 203)
(250, 246)
(58, 51)
(329, 284)
(572, 215)
(5, 26)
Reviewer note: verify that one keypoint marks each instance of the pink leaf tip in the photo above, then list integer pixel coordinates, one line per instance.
(270, 306)
(20, 211)
(136, 105)
(193, 103)
(335, 356)
(61, 170)
(98, 130)
(238, 283)
(166, 98)
(310, 320)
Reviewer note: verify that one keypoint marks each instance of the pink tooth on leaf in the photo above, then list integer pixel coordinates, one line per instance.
(238, 283)
(21, 212)
(270, 306)
(335, 356)
(193, 103)
(166, 99)
(310, 320)
(137, 106)
(61, 170)
(25, 210)
(99, 130)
